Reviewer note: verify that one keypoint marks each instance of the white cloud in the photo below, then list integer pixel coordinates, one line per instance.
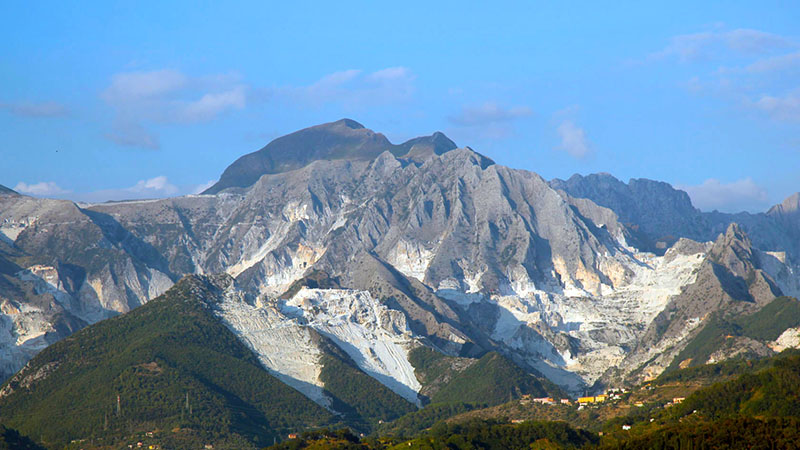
(707, 45)
(573, 139)
(143, 85)
(208, 106)
(775, 63)
(43, 109)
(760, 72)
(785, 107)
(41, 189)
(736, 196)
(156, 187)
(167, 97)
(391, 74)
(488, 113)
(354, 88)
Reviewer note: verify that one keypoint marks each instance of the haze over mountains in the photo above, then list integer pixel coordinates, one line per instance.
(334, 241)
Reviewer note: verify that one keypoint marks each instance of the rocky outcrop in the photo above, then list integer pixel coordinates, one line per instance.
(731, 281)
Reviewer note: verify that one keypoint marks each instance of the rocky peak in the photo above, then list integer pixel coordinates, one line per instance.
(422, 148)
(734, 251)
(343, 139)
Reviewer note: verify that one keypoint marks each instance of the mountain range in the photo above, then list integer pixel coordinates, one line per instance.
(400, 265)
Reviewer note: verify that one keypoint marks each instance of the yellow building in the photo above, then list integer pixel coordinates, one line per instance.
(584, 400)
(600, 398)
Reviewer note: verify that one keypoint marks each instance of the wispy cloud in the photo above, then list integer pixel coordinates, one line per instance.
(736, 196)
(784, 107)
(128, 133)
(212, 104)
(353, 88)
(166, 97)
(488, 113)
(488, 120)
(706, 45)
(40, 189)
(142, 86)
(43, 109)
(149, 188)
(757, 70)
(156, 187)
(573, 139)
(775, 63)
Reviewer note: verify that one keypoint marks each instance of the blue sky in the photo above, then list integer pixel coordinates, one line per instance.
(136, 99)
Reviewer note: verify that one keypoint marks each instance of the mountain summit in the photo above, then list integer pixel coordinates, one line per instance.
(344, 139)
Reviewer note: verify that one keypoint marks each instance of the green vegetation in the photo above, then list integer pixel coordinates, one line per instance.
(771, 392)
(492, 380)
(771, 320)
(472, 435)
(765, 325)
(172, 365)
(499, 435)
(749, 411)
(415, 422)
(738, 433)
(170, 373)
(428, 363)
(11, 440)
(342, 439)
(721, 371)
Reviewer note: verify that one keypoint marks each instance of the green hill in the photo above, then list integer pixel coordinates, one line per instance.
(170, 367)
(492, 380)
(764, 325)
(755, 408)
(458, 385)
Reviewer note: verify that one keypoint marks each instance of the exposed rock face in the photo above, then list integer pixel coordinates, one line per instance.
(342, 140)
(656, 215)
(730, 280)
(333, 231)
(62, 267)
(653, 208)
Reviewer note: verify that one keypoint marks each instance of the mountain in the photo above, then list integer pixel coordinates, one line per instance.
(6, 191)
(656, 215)
(172, 363)
(730, 284)
(653, 208)
(340, 243)
(177, 363)
(341, 140)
